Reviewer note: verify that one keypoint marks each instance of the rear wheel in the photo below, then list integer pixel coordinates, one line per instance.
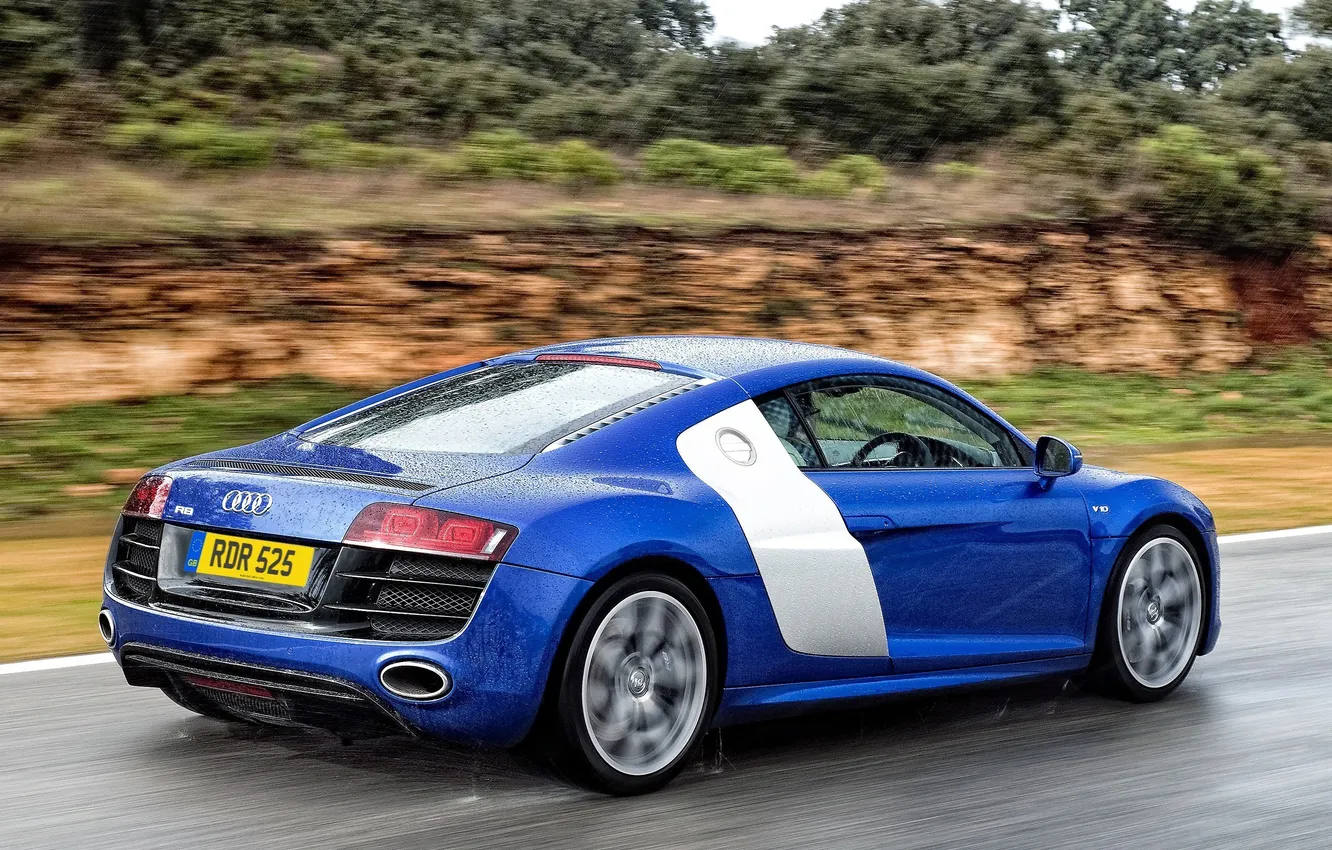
(639, 685)
(1152, 620)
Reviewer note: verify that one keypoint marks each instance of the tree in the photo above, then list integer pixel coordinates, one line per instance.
(882, 103)
(597, 41)
(1234, 202)
(1300, 89)
(728, 94)
(1124, 42)
(683, 23)
(1222, 36)
(1315, 16)
(102, 31)
(930, 32)
(36, 43)
(898, 77)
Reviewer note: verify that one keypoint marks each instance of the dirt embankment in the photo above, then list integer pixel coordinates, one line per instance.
(121, 322)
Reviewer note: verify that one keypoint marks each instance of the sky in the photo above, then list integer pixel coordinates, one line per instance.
(751, 21)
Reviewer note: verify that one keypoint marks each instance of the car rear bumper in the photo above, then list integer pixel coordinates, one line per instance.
(498, 664)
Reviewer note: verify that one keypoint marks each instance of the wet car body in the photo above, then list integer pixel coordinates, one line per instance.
(937, 577)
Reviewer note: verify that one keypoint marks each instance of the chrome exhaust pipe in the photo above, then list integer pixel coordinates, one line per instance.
(415, 680)
(106, 625)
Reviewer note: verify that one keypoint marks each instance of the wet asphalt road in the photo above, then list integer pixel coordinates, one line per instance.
(1240, 756)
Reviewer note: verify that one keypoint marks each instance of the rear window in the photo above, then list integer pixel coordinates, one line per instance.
(514, 409)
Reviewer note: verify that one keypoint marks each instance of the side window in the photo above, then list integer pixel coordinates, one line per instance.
(877, 421)
(786, 424)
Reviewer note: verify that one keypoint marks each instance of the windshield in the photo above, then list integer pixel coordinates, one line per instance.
(514, 409)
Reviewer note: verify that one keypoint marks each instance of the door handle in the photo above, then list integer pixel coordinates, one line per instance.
(868, 524)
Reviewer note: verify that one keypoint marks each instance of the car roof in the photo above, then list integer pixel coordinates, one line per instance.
(723, 356)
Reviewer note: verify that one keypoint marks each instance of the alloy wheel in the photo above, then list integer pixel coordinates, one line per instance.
(644, 683)
(1159, 612)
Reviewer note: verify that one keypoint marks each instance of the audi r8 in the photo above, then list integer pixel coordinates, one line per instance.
(609, 547)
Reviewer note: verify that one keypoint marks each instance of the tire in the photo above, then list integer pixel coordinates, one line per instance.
(1152, 617)
(637, 689)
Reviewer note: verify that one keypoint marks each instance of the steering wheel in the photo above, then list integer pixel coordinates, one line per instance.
(916, 450)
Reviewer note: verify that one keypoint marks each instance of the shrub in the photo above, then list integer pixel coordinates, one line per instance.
(506, 154)
(1317, 157)
(1235, 203)
(263, 74)
(321, 145)
(1034, 136)
(441, 167)
(14, 142)
(137, 139)
(578, 164)
(826, 183)
(172, 111)
(208, 145)
(371, 155)
(327, 145)
(959, 172)
(1081, 202)
(861, 172)
(1098, 141)
(682, 161)
(760, 168)
(200, 144)
(561, 115)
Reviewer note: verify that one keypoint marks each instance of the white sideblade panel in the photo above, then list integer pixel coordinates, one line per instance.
(815, 572)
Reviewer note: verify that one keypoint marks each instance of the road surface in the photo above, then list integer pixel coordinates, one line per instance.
(1240, 756)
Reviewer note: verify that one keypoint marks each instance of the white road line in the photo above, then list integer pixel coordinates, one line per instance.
(105, 657)
(1306, 531)
(56, 663)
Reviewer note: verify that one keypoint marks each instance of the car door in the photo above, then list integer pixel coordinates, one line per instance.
(976, 560)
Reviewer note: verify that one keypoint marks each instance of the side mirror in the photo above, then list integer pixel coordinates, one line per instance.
(1056, 458)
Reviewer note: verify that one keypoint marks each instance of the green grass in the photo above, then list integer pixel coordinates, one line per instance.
(1288, 394)
(41, 459)
(59, 464)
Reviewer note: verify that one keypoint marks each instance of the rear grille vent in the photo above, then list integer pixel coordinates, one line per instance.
(292, 470)
(416, 598)
(244, 706)
(134, 572)
(626, 413)
(427, 600)
(440, 569)
(353, 592)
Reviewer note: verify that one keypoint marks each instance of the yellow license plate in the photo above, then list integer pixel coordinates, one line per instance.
(257, 560)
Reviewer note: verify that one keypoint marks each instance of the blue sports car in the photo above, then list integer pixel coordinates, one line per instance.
(609, 547)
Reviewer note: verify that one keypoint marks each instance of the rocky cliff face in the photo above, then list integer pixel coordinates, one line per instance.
(97, 324)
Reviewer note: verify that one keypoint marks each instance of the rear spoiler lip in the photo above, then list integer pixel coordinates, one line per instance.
(283, 469)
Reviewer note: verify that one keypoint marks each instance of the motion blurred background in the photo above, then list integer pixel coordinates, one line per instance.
(1109, 218)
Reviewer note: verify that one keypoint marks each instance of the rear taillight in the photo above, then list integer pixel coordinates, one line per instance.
(149, 497)
(385, 525)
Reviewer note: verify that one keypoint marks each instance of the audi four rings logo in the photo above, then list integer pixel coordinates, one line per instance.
(245, 502)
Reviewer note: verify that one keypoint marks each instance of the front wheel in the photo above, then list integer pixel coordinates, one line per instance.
(1152, 620)
(639, 685)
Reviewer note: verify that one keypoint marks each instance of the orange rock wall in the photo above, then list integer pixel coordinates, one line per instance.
(93, 324)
